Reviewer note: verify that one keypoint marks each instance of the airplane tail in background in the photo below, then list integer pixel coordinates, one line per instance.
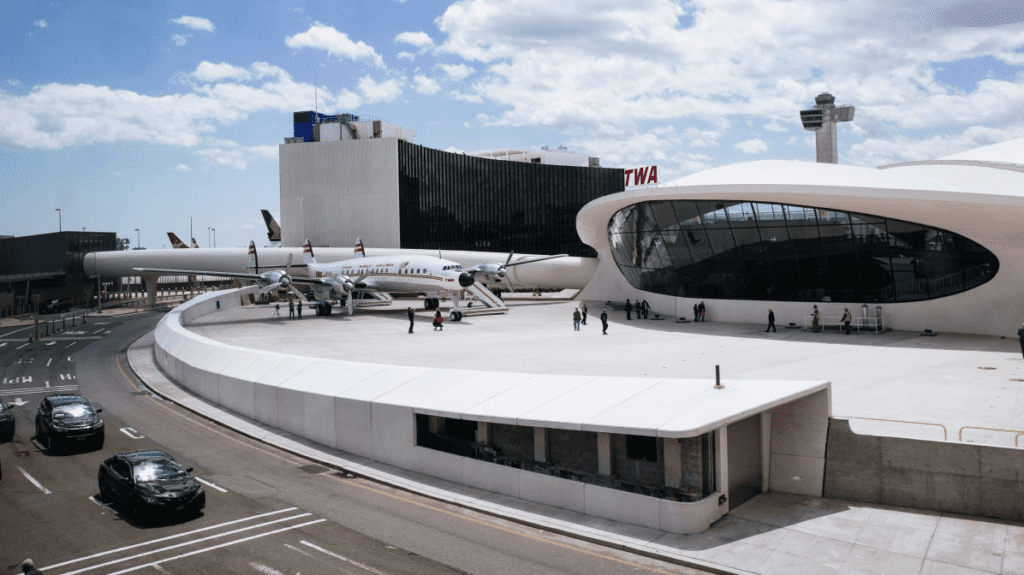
(195, 244)
(359, 248)
(176, 241)
(307, 253)
(253, 262)
(273, 229)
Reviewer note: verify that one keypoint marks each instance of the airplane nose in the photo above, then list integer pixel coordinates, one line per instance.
(465, 280)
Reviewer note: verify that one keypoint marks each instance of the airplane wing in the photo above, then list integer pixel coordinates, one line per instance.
(200, 273)
(535, 260)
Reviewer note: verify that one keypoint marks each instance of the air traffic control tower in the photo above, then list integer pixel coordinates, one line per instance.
(822, 119)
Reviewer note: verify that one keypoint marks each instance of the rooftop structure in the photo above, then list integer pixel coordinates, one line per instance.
(822, 119)
(559, 157)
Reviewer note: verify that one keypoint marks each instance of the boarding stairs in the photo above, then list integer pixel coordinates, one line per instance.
(478, 294)
(371, 299)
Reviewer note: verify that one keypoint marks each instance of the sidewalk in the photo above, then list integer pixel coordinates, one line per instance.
(770, 534)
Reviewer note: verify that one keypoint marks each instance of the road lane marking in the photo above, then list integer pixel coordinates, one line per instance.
(193, 542)
(346, 559)
(97, 331)
(211, 484)
(130, 432)
(30, 390)
(229, 543)
(499, 528)
(49, 360)
(70, 344)
(21, 346)
(169, 537)
(52, 343)
(3, 344)
(34, 482)
(267, 569)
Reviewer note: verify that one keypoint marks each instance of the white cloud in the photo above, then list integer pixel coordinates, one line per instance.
(425, 85)
(754, 146)
(95, 114)
(195, 23)
(471, 98)
(406, 56)
(327, 38)
(457, 71)
(210, 72)
(385, 91)
(776, 126)
(235, 156)
(41, 23)
(701, 138)
(180, 40)
(183, 168)
(418, 39)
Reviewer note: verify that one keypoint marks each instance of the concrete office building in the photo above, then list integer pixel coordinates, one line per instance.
(343, 179)
(923, 245)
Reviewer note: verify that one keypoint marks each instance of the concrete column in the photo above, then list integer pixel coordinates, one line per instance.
(482, 433)
(722, 461)
(604, 453)
(766, 449)
(151, 290)
(673, 462)
(435, 424)
(540, 445)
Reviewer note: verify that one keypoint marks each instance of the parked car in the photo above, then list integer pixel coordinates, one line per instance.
(55, 306)
(150, 482)
(68, 418)
(6, 423)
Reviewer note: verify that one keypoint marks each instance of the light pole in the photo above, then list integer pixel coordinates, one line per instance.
(58, 220)
(208, 244)
(214, 236)
(138, 238)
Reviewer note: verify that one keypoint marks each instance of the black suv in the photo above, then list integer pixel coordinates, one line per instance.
(6, 423)
(67, 418)
(55, 305)
(149, 480)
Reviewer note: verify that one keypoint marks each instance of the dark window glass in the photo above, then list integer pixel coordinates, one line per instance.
(641, 447)
(766, 251)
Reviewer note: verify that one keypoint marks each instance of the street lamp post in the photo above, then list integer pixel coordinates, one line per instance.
(214, 236)
(59, 228)
(138, 239)
(208, 244)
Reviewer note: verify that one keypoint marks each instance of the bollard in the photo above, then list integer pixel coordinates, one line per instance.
(30, 339)
(718, 379)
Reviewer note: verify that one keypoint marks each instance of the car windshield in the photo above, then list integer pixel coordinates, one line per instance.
(73, 410)
(157, 469)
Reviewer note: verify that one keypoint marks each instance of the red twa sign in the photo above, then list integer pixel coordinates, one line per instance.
(641, 176)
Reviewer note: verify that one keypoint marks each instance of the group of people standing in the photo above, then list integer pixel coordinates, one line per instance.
(845, 321)
(698, 311)
(579, 317)
(438, 322)
(643, 309)
(292, 309)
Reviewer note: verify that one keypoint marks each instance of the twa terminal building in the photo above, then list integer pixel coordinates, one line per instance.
(921, 245)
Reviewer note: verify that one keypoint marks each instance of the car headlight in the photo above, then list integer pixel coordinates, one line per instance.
(150, 499)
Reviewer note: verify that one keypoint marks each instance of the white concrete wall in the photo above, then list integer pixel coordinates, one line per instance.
(331, 190)
(354, 407)
(799, 435)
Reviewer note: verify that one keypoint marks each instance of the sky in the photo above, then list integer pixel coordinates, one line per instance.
(169, 115)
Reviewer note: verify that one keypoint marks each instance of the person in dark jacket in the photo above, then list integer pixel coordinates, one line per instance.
(412, 318)
(298, 309)
(696, 312)
(646, 307)
(628, 308)
(438, 321)
(702, 310)
(583, 310)
(291, 309)
(576, 319)
(771, 321)
(1020, 336)
(604, 322)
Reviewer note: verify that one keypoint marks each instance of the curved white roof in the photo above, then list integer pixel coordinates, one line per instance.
(1009, 152)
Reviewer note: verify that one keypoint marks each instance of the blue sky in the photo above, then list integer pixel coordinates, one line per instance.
(126, 117)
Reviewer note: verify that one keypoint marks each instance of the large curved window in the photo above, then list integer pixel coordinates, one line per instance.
(765, 251)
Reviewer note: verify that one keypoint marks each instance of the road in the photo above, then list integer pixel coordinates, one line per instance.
(268, 511)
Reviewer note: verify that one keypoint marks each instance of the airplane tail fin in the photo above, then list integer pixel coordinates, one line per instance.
(253, 261)
(307, 253)
(273, 229)
(360, 252)
(176, 241)
(195, 244)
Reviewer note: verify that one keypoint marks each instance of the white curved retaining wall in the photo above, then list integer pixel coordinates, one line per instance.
(357, 408)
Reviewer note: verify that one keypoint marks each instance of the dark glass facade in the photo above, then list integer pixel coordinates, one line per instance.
(766, 251)
(459, 202)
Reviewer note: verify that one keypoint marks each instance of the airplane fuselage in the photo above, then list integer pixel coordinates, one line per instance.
(396, 274)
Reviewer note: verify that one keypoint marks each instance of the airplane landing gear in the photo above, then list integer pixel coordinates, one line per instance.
(323, 308)
(456, 315)
(431, 303)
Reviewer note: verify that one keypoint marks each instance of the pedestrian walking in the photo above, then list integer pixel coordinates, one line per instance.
(298, 309)
(576, 317)
(847, 318)
(583, 310)
(28, 567)
(412, 318)
(438, 321)
(291, 309)
(277, 310)
(771, 321)
(702, 310)
(628, 308)
(815, 320)
(647, 308)
(696, 313)
(604, 322)
(1020, 336)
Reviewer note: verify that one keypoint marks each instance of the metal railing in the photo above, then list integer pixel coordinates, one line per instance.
(858, 323)
(1016, 437)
